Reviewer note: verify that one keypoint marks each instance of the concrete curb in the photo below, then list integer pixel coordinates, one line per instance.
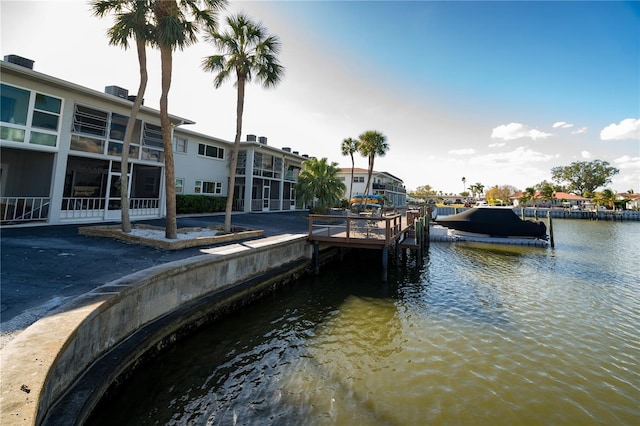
(115, 231)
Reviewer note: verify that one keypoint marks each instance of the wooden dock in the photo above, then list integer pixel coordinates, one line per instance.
(388, 232)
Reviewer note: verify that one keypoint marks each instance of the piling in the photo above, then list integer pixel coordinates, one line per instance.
(551, 242)
(316, 258)
(385, 263)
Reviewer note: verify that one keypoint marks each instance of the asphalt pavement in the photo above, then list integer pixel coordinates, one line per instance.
(43, 267)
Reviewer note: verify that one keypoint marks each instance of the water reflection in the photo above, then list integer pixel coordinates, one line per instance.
(473, 336)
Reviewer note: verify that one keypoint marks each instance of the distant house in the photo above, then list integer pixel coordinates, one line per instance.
(633, 202)
(560, 199)
(382, 183)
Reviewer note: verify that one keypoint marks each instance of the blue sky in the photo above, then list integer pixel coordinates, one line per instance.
(497, 92)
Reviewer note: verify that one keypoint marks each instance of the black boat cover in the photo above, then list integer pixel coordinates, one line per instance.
(496, 222)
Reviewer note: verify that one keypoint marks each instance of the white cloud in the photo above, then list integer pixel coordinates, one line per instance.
(562, 125)
(579, 131)
(628, 128)
(513, 131)
(497, 144)
(629, 177)
(626, 162)
(466, 151)
(585, 154)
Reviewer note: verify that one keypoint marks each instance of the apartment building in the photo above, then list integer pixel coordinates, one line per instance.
(61, 146)
(382, 183)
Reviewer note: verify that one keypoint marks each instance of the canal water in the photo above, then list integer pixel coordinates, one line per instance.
(477, 335)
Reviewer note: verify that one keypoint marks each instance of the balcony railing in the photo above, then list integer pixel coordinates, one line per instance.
(389, 187)
(94, 208)
(24, 209)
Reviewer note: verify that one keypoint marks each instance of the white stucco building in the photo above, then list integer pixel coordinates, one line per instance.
(60, 152)
(382, 183)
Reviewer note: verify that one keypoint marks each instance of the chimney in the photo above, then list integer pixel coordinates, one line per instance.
(19, 60)
(117, 91)
(262, 140)
(251, 138)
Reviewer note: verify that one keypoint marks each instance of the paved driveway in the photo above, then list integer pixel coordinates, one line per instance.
(42, 267)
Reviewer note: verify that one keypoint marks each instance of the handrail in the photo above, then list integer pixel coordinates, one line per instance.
(341, 228)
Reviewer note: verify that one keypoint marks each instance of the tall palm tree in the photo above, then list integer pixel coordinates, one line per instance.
(318, 181)
(349, 147)
(130, 22)
(177, 23)
(247, 52)
(464, 184)
(372, 144)
(473, 190)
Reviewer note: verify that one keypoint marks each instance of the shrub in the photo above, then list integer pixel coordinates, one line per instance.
(192, 203)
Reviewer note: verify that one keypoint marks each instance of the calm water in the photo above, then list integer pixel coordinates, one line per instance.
(479, 334)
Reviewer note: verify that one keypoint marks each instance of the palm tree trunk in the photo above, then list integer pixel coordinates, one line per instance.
(366, 188)
(124, 187)
(353, 165)
(171, 229)
(234, 154)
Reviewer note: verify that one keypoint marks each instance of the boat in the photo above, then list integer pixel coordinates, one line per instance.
(369, 199)
(494, 222)
(369, 202)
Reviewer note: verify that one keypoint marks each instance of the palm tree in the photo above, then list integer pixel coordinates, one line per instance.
(247, 51)
(130, 22)
(531, 194)
(464, 186)
(371, 144)
(318, 181)
(177, 23)
(606, 198)
(349, 147)
(479, 189)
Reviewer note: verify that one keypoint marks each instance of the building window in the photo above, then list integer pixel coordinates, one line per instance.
(180, 144)
(95, 129)
(179, 185)
(46, 112)
(152, 135)
(15, 104)
(90, 121)
(118, 127)
(206, 187)
(210, 151)
(152, 140)
(358, 179)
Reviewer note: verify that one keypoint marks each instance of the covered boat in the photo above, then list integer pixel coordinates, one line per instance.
(495, 222)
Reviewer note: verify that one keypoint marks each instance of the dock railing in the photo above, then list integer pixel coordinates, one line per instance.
(355, 230)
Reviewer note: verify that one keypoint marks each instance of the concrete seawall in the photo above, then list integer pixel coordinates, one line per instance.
(138, 312)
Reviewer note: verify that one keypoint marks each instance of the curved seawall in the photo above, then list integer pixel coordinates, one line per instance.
(139, 313)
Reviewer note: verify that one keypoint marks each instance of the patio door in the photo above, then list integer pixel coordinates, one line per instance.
(114, 200)
(265, 198)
